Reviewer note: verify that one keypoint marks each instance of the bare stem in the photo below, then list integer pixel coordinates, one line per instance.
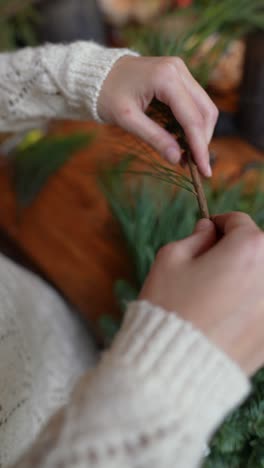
(197, 182)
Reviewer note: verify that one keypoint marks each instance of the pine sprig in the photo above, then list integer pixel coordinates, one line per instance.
(148, 166)
(152, 166)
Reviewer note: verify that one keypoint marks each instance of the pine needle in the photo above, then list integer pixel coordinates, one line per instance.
(201, 198)
(162, 113)
(150, 166)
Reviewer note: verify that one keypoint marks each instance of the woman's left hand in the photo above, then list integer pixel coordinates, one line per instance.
(130, 87)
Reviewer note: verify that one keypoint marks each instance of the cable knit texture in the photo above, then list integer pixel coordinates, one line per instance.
(43, 351)
(55, 81)
(153, 401)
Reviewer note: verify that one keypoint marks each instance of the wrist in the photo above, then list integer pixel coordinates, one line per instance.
(107, 99)
(166, 355)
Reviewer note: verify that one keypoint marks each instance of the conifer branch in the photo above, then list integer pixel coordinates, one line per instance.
(164, 116)
(201, 198)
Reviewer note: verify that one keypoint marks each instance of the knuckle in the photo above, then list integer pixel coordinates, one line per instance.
(124, 112)
(164, 69)
(238, 216)
(165, 252)
(179, 62)
(240, 220)
(213, 113)
(169, 253)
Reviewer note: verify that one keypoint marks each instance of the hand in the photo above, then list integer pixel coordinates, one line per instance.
(130, 87)
(218, 286)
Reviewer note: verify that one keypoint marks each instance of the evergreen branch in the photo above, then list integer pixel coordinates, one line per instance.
(157, 176)
(170, 123)
(203, 205)
(155, 169)
(161, 167)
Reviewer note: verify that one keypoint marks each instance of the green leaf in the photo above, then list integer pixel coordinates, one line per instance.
(35, 164)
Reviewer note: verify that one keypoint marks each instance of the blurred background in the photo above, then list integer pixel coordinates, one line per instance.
(210, 36)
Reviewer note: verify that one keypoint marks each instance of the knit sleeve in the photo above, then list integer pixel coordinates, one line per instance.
(153, 401)
(53, 81)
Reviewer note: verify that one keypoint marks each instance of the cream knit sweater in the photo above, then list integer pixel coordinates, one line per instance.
(158, 394)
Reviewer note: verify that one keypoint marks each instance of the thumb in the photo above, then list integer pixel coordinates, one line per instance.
(203, 238)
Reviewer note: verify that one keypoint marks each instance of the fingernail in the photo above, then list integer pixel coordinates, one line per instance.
(172, 155)
(203, 225)
(209, 172)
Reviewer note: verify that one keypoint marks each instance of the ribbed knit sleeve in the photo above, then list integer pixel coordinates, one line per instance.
(53, 81)
(153, 401)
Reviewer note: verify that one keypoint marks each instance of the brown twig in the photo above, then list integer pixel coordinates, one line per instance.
(197, 182)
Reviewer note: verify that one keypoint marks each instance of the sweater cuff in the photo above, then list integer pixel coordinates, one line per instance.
(200, 381)
(94, 62)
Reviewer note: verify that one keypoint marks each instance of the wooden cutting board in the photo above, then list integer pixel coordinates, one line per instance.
(68, 233)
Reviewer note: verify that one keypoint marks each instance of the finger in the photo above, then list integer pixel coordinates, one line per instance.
(190, 118)
(231, 221)
(135, 121)
(203, 224)
(203, 238)
(206, 106)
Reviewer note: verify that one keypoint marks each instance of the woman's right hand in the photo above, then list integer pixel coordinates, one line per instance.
(216, 285)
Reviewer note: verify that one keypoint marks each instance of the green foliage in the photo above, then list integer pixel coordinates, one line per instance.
(151, 215)
(17, 19)
(241, 437)
(145, 213)
(225, 20)
(36, 163)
